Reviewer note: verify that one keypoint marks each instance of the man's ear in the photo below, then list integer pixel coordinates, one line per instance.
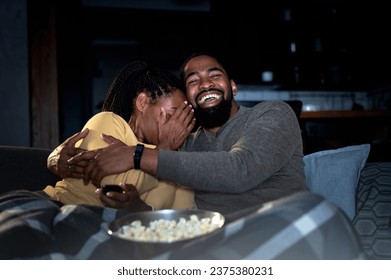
(142, 101)
(233, 87)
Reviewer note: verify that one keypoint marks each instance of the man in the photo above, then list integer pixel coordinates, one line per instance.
(238, 157)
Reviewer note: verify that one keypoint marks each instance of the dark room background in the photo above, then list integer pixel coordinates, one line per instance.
(57, 58)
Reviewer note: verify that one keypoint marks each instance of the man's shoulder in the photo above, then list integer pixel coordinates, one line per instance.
(269, 105)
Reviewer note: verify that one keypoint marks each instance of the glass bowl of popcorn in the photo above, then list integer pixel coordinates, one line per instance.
(166, 226)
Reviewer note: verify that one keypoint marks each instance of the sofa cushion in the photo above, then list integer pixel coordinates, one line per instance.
(24, 168)
(372, 221)
(334, 174)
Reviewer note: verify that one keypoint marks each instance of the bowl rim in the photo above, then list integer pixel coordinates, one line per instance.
(118, 223)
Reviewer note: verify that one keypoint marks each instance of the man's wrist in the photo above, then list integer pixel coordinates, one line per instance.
(138, 152)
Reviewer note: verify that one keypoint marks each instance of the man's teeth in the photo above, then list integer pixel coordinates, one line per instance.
(209, 97)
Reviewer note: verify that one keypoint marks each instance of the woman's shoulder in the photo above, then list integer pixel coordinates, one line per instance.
(107, 117)
(109, 123)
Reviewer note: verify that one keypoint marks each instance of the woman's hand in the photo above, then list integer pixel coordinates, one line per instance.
(57, 161)
(174, 130)
(129, 199)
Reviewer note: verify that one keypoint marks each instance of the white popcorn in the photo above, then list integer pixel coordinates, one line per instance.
(164, 230)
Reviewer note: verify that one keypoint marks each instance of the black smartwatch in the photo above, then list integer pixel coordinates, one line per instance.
(137, 156)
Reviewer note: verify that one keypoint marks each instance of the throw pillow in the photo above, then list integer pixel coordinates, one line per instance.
(334, 174)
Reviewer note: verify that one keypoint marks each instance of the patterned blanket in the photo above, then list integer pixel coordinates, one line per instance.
(302, 226)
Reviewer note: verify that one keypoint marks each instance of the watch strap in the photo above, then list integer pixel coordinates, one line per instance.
(137, 156)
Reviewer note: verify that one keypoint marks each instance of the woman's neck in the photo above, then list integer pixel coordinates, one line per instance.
(135, 127)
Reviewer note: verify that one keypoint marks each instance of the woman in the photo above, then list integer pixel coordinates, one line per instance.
(139, 103)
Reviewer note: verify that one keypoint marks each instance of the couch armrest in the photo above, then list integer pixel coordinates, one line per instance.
(373, 215)
(24, 168)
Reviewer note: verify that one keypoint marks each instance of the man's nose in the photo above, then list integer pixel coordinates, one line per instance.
(206, 83)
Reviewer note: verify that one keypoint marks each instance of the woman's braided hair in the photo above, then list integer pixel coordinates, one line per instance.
(136, 77)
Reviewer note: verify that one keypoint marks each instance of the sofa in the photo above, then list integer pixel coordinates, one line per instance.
(373, 210)
(25, 168)
(361, 189)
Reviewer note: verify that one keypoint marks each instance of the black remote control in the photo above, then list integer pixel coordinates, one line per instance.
(111, 188)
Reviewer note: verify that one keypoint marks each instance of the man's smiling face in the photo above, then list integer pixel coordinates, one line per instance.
(209, 90)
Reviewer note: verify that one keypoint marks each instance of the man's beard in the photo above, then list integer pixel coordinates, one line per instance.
(215, 116)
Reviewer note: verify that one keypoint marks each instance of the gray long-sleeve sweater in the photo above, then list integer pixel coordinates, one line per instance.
(257, 156)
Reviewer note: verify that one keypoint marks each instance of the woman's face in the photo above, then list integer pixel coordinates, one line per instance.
(153, 114)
